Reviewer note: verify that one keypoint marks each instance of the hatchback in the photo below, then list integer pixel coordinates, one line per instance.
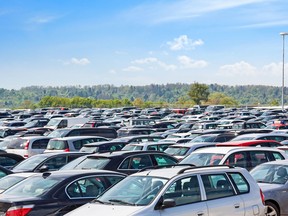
(272, 178)
(246, 157)
(56, 193)
(181, 191)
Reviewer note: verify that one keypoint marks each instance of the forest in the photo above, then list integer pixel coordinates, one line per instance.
(246, 95)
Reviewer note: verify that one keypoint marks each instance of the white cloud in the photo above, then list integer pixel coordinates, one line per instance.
(187, 62)
(238, 69)
(183, 42)
(132, 69)
(82, 61)
(43, 19)
(154, 62)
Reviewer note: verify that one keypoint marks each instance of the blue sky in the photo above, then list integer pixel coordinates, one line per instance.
(85, 43)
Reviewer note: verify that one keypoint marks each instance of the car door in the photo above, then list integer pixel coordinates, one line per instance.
(221, 196)
(186, 193)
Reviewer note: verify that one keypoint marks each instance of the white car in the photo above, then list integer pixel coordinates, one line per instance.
(181, 191)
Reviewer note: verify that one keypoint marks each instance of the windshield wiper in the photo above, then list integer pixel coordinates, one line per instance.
(96, 200)
(122, 202)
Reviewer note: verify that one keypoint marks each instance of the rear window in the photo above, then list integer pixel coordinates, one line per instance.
(57, 145)
(93, 163)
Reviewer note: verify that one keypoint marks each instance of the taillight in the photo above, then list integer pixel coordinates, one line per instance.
(19, 210)
(26, 145)
(262, 197)
(67, 150)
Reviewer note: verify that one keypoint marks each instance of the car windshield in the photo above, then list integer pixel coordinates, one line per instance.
(134, 190)
(132, 147)
(177, 151)
(270, 173)
(203, 159)
(10, 180)
(57, 145)
(57, 133)
(30, 163)
(33, 186)
(203, 139)
(88, 163)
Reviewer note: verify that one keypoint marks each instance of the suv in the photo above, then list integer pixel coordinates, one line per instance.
(181, 191)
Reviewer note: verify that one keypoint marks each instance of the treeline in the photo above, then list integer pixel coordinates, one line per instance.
(153, 94)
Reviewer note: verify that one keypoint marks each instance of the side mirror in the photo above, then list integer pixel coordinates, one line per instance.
(44, 168)
(168, 203)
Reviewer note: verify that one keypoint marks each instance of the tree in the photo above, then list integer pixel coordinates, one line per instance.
(199, 92)
(220, 98)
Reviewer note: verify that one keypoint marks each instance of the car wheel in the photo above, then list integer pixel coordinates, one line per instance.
(272, 209)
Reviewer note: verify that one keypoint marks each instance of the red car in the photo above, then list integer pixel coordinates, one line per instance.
(262, 143)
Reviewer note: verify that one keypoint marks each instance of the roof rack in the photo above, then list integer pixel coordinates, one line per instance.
(165, 166)
(197, 167)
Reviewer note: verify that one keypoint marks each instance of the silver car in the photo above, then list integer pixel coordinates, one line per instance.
(272, 178)
(181, 191)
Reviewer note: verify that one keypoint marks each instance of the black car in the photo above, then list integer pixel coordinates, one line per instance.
(9, 160)
(56, 193)
(47, 161)
(122, 161)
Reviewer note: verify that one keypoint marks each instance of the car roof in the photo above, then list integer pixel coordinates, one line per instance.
(193, 144)
(176, 170)
(225, 150)
(125, 153)
(76, 137)
(246, 142)
(79, 172)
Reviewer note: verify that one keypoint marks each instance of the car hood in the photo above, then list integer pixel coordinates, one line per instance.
(103, 209)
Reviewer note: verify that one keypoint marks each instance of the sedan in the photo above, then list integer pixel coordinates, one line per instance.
(272, 178)
(56, 193)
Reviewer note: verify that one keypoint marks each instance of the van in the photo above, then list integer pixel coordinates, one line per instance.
(63, 122)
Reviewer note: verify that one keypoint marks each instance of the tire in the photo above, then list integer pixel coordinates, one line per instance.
(272, 209)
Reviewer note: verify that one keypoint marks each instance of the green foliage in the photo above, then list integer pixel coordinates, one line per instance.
(218, 98)
(168, 95)
(198, 92)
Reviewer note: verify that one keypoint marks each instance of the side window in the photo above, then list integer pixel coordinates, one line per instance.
(140, 162)
(7, 162)
(163, 147)
(240, 182)
(152, 148)
(74, 133)
(114, 179)
(56, 163)
(77, 144)
(87, 187)
(277, 156)
(163, 160)
(40, 144)
(217, 186)
(125, 164)
(258, 157)
(184, 191)
(238, 159)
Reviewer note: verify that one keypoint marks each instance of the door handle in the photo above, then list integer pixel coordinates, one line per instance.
(200, 213)
(237, 205)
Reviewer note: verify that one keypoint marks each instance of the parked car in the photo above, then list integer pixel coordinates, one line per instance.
(109, 133)
(272, 178)
(122, 161)
(246, 157)
(258, 143)
(104, 146)
(180, 191)
(28, 146)
(148, 146)
(74, 143)
(217, 138)
(56, 193)
(46, 162)
(132, 131)
(9, 160)
(180, 151)
(4, 172)
(139, 138)
(267, 136)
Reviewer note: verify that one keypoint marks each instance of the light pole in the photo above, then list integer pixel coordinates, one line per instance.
(283, 63)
